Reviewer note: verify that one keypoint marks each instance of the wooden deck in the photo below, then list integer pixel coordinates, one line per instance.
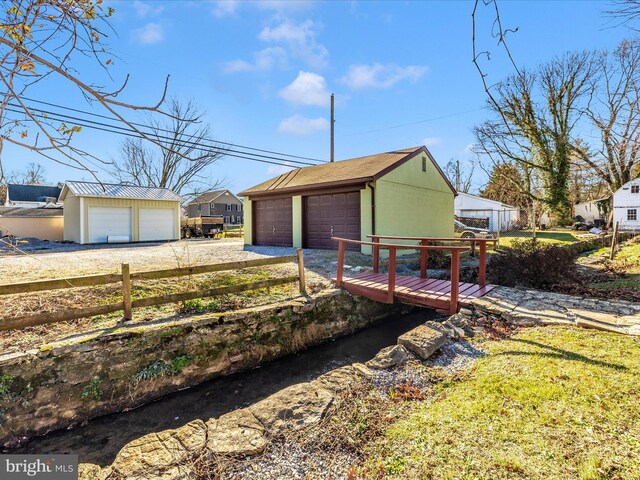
(426, 292)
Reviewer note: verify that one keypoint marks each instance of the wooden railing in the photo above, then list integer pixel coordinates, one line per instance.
(393, 248)
(424, 241)
(125, 277)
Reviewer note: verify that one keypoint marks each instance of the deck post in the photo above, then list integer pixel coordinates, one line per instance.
(424, 255)
(455, 281)
(340, 263)
(482, 267)
(392, 274)
(376, 255)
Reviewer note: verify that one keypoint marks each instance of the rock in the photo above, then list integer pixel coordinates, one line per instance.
(90, 471)
(363, 370)
(238, 433)
(424, 340)
(456, 332)
(338, 380)
(292, 408)
(466, 312)
(148, 455)
(389, 357)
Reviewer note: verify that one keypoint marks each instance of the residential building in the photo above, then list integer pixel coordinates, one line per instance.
(32, 196)
(216, 203)
(626, 205)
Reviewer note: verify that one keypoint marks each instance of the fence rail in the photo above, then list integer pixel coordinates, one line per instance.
(126, 278)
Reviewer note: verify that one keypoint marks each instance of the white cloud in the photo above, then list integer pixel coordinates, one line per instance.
(144, 9)
(381, 76)
(263, 60)
(431, 141)
(299, 125)
(307, 89)
(300, 40)
(149, 34)
(224, 8)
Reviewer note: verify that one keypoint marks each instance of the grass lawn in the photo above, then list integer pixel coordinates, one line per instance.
(627, 263)
(547, 403)
(546, 236)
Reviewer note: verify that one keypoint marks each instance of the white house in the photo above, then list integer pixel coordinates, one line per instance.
(591, 210)
(626, 205)
(501, 216)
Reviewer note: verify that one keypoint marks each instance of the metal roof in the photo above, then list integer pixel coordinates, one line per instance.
(111, 190)
(32, 193)
(30, 212)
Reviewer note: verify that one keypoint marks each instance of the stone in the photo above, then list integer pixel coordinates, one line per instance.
(389, 357)
(159, 451)
(90, 471)
(424, 340)
(294, 407)
(238, 433)
(363, 370)
(338, 380)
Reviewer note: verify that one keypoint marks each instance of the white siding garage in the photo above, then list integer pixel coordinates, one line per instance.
(105, 222)
(95, 212)
(157, 224)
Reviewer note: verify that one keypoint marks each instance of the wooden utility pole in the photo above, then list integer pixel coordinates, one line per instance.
(333, 121)
(457, 175)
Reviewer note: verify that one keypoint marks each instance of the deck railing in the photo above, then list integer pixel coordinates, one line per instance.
(393, 248)
(424, 253)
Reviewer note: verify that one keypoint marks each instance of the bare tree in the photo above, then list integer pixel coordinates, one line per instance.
(33, 174)
(41, 40)
(179, 158)
(625, 12)
(614, 110)
(462, 180)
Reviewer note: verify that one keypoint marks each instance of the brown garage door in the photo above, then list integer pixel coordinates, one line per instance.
(336, 215)
(273, 222)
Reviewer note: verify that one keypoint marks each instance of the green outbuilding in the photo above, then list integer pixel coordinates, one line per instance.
(402, 192)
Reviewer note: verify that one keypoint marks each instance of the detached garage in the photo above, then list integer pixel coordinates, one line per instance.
(403, 192)
(110, 213)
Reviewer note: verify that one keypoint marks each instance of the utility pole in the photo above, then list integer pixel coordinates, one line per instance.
(333, 121)
(457, 175)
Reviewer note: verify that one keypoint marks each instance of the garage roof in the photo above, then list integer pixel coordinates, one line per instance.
(114, 190)
(345, 172)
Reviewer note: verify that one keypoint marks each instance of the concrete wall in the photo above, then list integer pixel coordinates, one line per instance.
(248, 222)
(296, 212)
(410, 202)
(44, 228)
(107, 371)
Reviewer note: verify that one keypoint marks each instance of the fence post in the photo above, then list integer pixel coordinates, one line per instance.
(303, 286)
(376, 255)
(424, 255)
(499, 225)
(340, 267)
(392, 274)
(126, 291)
(455, 281)
(614, 240)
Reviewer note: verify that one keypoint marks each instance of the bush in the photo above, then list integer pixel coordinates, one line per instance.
(533, 264)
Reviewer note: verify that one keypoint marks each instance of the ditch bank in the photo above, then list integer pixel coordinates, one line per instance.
(69, 382)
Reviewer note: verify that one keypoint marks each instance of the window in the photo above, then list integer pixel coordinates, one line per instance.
(199, 207)
(632, 214)
(226, 219)
(228, 207)
(240, 207)
(424, 164)
(635, 188)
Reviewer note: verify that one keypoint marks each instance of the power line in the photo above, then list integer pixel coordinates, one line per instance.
(165, 130)
(119, 130)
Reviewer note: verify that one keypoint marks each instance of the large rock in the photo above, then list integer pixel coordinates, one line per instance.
(238, 433)
(90, 471)
(424, 340)
(389, 357)
(148, 455)
(294, 407)
(337, 381)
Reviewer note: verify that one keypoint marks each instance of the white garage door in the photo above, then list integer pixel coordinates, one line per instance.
(109, 221)
(157, 224)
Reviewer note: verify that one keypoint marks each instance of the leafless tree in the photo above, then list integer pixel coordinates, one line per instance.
(614, 110)
(625, 13)
(179, 158)
(33, 174)
(41, 40)
(461, 178)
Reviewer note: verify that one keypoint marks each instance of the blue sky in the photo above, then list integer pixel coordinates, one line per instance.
(263, 71)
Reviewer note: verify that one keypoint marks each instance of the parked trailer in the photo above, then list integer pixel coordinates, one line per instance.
(201, 226)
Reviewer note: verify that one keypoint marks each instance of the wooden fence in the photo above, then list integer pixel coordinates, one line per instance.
(126, 278)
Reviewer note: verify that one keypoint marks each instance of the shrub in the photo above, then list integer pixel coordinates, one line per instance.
(533, 264)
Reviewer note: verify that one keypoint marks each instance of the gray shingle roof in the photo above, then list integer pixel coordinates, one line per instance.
(32, 193)
(30, 212)
(111, 190)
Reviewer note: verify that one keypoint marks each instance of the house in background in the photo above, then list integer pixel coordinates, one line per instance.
(402, 192)
(32, 196)
(500, 215)
(593, 211)
(40, 223)
(217, 203)
(109, 213)
(626, 205)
